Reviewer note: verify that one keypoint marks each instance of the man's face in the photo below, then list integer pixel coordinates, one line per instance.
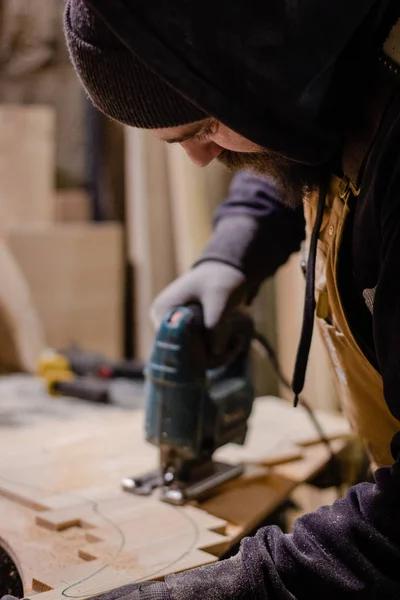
(204, 141)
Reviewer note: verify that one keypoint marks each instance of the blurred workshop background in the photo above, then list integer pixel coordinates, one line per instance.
(96, 219)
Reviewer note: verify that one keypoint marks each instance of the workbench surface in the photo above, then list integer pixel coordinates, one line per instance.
(71, 530)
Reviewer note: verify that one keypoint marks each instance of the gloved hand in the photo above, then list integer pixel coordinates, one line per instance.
(215, 285)
(150, 590)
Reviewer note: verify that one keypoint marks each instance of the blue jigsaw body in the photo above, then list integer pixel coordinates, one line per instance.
(191, 408)
(195, 402)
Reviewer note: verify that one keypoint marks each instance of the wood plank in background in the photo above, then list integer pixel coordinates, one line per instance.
(27, 165)
(75, 274)
(21, 330)
(72, 206)
(149, 230)
(191, 215)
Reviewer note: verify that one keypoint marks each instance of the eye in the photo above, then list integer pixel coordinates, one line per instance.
(203, 135)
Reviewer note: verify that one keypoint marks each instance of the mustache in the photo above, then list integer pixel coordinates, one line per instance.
(236, 161)
(294, 179)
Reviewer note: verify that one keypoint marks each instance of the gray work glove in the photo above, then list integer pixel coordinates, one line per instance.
(215, 285)
(150, 590)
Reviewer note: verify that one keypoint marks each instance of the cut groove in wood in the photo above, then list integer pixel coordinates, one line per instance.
(38, 586)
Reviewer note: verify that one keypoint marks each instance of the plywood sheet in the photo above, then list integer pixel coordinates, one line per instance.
(270, 418)
(62, 481)
(75, 276)
(32, 546)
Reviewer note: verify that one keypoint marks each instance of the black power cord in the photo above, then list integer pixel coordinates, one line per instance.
(333, 462)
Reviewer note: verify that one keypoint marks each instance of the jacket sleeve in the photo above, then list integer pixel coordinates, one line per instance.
(253, 229)
(348, 550)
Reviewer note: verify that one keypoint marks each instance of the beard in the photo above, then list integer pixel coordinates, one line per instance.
(294, 179)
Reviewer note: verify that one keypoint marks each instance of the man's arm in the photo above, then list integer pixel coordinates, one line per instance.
(347, 550)
(254, 233)
(253, 229)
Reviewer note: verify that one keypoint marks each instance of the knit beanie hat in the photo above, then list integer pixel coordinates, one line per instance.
(118, 82)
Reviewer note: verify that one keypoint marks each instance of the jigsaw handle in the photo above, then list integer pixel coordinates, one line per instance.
(232, 335)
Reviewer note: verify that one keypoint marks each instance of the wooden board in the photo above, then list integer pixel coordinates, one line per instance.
(72, 206)
(21, 331)
(150, 243)
(75, 533)
(75, 275)
(27, 170)
(191, 214)
(278, 433)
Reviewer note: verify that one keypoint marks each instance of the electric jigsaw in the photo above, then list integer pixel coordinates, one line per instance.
(196, 402)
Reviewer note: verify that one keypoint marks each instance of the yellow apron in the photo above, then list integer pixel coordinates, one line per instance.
(359, 385)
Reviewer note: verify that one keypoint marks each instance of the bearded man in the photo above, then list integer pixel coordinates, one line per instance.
(305, 93)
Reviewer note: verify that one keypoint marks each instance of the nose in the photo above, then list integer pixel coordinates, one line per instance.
(201, 154)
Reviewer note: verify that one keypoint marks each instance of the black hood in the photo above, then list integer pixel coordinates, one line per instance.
(263, 68)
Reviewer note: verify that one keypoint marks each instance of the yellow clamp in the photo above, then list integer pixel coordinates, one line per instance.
(49, 361)
(53, 367)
